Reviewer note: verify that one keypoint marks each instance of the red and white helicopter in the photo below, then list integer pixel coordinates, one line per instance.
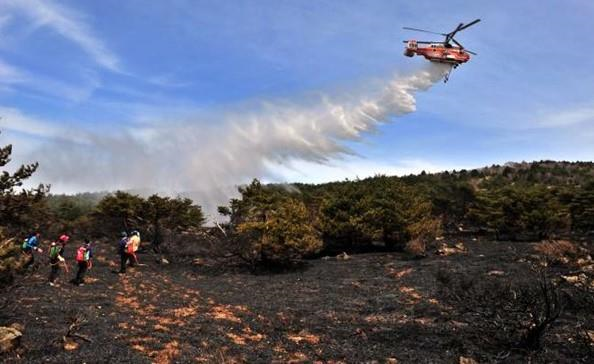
(440, 52)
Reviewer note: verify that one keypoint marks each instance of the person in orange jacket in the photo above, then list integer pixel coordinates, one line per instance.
(133, 245)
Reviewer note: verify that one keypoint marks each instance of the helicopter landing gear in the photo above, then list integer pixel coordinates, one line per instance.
(447, 75)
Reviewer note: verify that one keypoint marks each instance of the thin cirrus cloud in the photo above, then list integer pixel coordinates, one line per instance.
(13, 78)
(10, 74)
(14, 120)
(568, 117)
(68, 23)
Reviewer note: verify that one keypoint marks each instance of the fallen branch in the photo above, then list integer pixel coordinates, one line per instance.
(220, 228)
(76, 322)
(81, 336)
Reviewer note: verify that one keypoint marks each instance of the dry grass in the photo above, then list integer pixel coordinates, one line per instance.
(558, 251)
(11, 260)
(416, 248)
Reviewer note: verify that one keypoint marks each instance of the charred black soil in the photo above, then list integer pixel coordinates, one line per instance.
(370, 307)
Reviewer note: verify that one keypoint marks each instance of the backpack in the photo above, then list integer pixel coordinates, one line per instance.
(54, 252)
(130, 247)
(27, 242)
(82, 255)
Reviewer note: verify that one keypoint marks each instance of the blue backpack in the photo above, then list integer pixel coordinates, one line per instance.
(27, 243)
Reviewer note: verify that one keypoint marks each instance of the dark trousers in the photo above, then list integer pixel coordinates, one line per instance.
(132, 259)
(123, 260)
(54, 271)
(31, 258)
(80, 275)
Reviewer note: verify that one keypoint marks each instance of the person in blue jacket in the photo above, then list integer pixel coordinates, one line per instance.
(30, 246)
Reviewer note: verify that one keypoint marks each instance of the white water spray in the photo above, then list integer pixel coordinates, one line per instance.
(208, 162)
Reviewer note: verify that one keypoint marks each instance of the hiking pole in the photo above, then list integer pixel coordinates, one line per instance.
(65, 266)
(63, 261)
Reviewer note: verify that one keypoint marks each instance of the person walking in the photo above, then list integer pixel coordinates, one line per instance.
(30, 246)
(84, 256)
(56, 256)
(123, 252)
(133, 245)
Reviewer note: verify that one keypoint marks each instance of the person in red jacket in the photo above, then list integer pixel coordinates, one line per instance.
(84, 256)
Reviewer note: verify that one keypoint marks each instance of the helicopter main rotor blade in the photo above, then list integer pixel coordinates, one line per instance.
(462, 47)
(451, 34)
(421, 42)
(469, 24)
(458, 43)
(422, 30)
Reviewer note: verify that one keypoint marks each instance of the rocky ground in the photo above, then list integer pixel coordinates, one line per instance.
(376, 307)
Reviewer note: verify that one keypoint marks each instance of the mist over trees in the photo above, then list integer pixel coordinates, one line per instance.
(279, 224)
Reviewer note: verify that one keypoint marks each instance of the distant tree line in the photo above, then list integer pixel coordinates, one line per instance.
(274, 224)
(518, 201)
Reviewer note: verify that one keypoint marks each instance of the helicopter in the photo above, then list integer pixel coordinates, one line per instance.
(440, 52)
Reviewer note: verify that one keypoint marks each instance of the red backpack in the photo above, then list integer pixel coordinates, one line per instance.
(80, 254)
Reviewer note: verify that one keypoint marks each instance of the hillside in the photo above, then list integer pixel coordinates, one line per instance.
(493, 265)
(377, 307)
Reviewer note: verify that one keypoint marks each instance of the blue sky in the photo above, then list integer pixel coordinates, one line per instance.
(110, 67)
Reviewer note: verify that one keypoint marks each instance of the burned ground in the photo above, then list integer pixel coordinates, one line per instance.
(372, 307)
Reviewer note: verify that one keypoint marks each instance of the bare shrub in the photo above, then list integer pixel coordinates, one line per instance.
(545, 306)
(517, 312)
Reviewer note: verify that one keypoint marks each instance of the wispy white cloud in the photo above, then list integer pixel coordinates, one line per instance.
(9, 73)
(14, 120)
(167, 81)
(568, 117)
(4, 20)
(12, 77)
(67, 22)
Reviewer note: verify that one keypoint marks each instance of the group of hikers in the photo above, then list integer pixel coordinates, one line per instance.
(127, 248)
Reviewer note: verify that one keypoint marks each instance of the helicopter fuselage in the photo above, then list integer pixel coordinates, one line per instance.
(437, 52)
